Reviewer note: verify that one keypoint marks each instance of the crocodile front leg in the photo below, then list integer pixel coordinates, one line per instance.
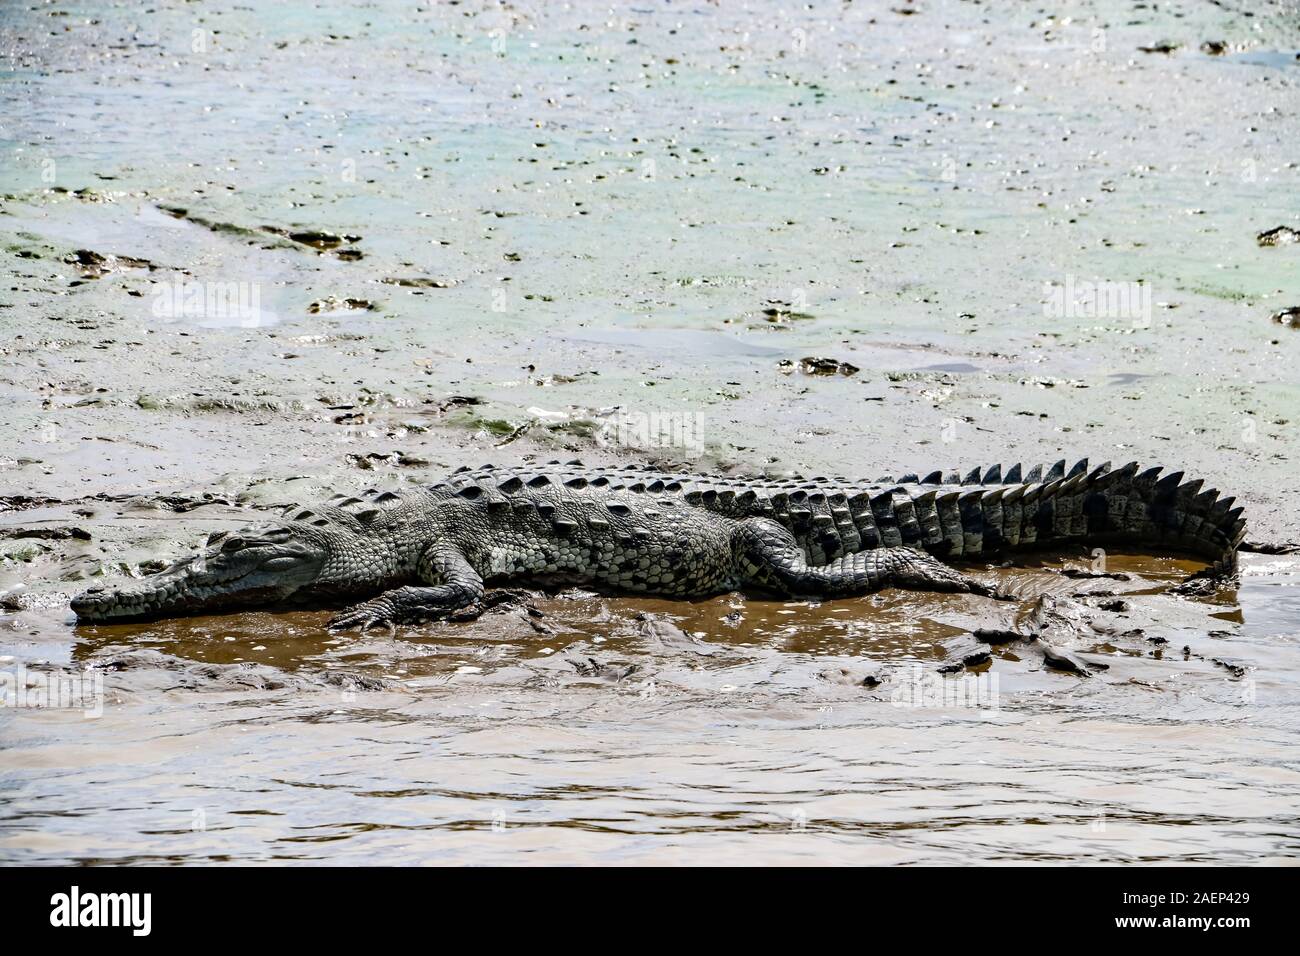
(451, 585)
(770, 557)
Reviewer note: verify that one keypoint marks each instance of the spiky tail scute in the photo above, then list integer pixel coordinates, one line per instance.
(1054, 506)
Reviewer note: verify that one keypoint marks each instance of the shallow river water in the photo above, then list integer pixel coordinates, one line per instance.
(746, 736)
(256, 253)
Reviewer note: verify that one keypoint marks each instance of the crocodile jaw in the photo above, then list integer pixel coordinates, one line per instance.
(176, 593)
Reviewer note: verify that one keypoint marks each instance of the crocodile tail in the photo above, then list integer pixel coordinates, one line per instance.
(989, 510)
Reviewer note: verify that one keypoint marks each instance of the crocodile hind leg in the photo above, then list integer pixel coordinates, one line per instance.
(769, 556)
(452, 587)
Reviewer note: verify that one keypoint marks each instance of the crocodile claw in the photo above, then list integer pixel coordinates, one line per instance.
(364, 616)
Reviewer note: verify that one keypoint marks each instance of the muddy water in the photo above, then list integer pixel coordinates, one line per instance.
(516, 223)
(578, 733)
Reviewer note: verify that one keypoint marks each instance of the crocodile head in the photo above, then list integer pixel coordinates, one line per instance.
(254, 566)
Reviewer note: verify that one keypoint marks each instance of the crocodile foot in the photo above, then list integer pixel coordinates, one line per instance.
(364, 616)
(409, 605)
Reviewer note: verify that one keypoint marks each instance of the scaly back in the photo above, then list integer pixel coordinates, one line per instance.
(984, 512)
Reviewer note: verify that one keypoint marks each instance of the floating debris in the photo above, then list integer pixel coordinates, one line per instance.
(851, 678)
(334, 304)
(1278, 236)
(316, 238)
(47, 534)
(419, 282)
(94, 265)
(777, 312)
(991, 635)
(813, 365)
(1289, 317)
(397, 459)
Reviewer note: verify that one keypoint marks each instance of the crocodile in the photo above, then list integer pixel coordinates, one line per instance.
(429, 552)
